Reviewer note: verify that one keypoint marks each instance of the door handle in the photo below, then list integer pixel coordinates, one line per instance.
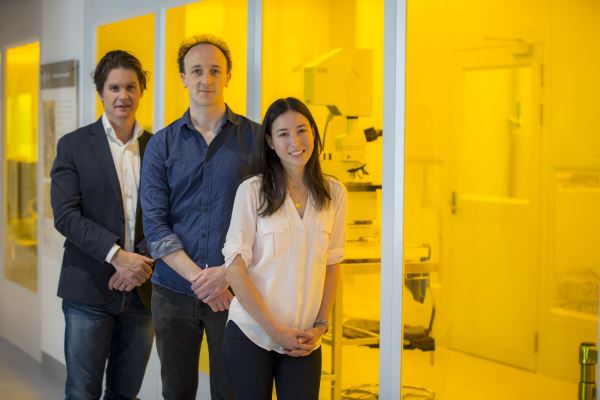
(453, 203)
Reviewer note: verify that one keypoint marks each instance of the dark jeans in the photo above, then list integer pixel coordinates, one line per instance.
(180, 321)
(252, 370)
(119, 332)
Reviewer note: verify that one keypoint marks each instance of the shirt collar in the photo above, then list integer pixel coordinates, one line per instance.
(112, 135)
(229, 116)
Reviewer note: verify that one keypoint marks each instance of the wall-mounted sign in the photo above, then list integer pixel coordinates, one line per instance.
(59, 113)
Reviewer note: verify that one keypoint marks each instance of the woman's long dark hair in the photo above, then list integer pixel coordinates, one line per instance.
(265, 162)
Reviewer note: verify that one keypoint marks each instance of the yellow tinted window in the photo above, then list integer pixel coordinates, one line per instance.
(330, 55)
(21, 111)
(136, 36)
(226, 19)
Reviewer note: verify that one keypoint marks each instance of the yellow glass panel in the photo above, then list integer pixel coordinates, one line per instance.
(21, 144)
(330, 53)
(135, 35)
(224, 18)
(503, 180)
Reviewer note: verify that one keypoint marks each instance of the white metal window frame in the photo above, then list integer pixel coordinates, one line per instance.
(392, 269)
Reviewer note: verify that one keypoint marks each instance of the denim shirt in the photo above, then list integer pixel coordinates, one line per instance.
(187, 189)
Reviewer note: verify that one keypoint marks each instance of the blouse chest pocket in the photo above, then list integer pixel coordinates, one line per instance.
(274, 234)
(324, 229)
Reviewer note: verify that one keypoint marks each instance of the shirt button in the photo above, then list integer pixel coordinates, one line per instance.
(202, 235)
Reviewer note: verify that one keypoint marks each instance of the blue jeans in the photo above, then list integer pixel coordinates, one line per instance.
(119, 332)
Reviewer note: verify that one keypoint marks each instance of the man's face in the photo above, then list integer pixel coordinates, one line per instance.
(121, 94)
(206, 75)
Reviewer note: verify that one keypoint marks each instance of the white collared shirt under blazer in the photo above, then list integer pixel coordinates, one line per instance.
(286, 256)
(126, 157)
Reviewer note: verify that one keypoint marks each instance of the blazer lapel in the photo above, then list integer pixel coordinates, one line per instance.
(102, 150)
(139, 230)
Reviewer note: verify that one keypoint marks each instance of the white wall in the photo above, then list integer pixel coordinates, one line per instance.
(60, 41)
(20, 21)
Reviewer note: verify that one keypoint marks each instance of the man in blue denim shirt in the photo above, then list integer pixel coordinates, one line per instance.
(190, 174)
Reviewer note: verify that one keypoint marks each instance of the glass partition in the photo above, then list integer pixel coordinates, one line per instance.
(21, 150)
(226, 19)
(127, 35)
(503, 181)
(330, 55)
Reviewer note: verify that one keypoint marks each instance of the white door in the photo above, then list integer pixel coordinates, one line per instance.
(493, 216)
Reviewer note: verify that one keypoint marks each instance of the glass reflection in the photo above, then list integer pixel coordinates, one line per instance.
(21, 93)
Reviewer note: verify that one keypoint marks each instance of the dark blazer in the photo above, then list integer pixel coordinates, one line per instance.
(88, 210)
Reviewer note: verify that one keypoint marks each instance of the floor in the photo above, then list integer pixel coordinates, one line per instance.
(459, 376)
(454, 376)
(23, 378)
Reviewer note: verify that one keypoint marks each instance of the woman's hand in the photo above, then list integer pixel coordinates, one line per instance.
(295, 343)
(315, 334)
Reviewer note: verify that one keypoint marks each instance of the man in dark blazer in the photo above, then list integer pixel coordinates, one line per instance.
(104, 277)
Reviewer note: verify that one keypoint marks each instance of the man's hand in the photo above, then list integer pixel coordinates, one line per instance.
(132, 266)
(210, 284)
(118, 282)
(221, 302)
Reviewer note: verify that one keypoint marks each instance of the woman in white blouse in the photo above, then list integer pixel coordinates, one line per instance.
(282, 253)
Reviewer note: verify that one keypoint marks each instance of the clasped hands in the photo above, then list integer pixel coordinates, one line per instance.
(296, 342)
(210, 286)
(132, 270)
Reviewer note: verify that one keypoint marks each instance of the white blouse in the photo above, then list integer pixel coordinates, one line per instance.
(286, 256)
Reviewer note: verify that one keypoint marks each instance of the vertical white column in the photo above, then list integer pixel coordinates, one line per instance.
(254, 65)
(393, 199)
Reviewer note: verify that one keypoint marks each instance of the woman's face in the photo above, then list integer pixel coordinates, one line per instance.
(293, 139)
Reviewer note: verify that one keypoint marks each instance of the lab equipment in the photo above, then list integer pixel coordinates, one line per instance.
(342, 80)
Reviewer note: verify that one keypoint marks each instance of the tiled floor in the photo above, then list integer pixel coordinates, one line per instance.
(23, 378)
